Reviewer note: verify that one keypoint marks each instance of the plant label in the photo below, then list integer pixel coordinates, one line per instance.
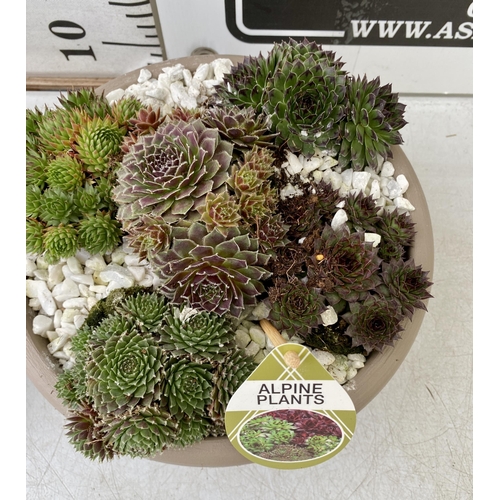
(290, 413)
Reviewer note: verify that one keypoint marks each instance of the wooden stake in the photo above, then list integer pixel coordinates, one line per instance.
(292, 359)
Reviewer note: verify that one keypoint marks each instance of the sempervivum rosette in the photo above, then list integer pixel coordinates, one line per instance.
(345, 266)
(373, 119)
(242, 127)
(295, 307)
(405, 282)
(170, 172)
(126, 371)
(305, 105)
(141, 433)
(187, 387)
(196, 333)
(212, 271)
(374, 323)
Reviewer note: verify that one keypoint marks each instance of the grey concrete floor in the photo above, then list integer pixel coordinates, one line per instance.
(413, 441)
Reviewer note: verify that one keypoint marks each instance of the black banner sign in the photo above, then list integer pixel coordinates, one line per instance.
(423, 23)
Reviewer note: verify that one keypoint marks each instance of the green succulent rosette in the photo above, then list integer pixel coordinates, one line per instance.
(147, 311)
(97, 142)
(199, 334)
(187, 387)
(126, 371)
(59, 242)
(99, 233)
(374, 117)
(397, 233)
(142, 383)
(305, 106)
(231, 372)
(143, 432)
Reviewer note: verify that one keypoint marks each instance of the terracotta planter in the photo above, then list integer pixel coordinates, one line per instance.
(370, 380)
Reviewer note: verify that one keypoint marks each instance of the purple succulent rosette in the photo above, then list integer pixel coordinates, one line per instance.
(213, 271)
(169, 173)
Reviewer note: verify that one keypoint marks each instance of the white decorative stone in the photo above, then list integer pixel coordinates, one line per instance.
(30, 267)
(41, 263)
(329, 316)
(138, 272)
(324, 357)
(373, 238)
(375, 189)
(261, 311)
(56, 275)
(360, 180)
(220, 67)
(347, 177)
(403, 203)
(68, 316)
(294, 166)
(65, 290)
(41, 274)
(75, 303)
(144, 75)
(403, 182)
(51, 335)
(290, 191)
(202, 72)
(339, 219)
(118, 256)
(79, 319)
(82, 279)
(33, 287)
(82, 255)
(132, 260)
(47, 303)
(387, 169)
(158, 93)
(91, 302)
(147, 281)
(57, 318)
(257, 335)
(394, 189)
(120, 275)
(114, 285)
(242, 338)
(96, 263)
(74, 265)
(58, 343)
(41, 324)
(34, 304)
(115, 95)
(252, 349)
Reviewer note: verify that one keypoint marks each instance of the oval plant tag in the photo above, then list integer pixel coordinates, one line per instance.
(290, 413)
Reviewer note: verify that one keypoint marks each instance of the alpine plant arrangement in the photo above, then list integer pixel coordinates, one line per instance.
(239, 204)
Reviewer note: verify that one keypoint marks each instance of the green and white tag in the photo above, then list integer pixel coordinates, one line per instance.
(290, 413)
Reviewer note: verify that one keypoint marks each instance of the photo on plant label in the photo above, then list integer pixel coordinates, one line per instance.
(290, 435)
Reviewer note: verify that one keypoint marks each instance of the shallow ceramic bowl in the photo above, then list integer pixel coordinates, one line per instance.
(42, 369)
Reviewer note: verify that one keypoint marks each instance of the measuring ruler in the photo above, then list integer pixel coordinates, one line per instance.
(72, 44)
